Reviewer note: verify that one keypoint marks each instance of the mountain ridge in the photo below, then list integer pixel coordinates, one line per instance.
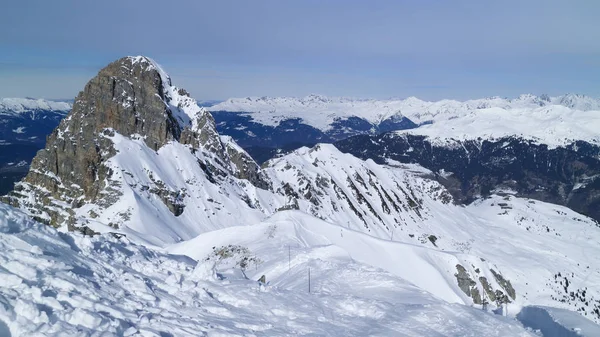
(374, 109)
(552, 120)
(19, 105)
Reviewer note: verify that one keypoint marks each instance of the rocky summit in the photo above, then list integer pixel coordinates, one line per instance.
(132, 96)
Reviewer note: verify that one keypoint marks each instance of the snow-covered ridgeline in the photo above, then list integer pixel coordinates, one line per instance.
(375, 110)
(553, 125)
(550, 120)
(19, 105)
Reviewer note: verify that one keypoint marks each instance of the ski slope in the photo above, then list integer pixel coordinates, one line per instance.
(61, 284)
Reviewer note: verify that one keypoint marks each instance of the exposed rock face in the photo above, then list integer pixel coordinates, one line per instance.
(466, 284)
(132, 97)
(505, 284)
(126, 97)
(564, 175)
(471, 288)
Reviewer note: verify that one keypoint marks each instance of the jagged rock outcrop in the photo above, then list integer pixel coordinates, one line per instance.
(132, 97)
(564, 175)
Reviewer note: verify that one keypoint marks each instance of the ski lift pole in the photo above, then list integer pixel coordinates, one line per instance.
(309, 280)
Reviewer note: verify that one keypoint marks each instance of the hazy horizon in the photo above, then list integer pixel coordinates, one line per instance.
(378, 49)
(200, 101)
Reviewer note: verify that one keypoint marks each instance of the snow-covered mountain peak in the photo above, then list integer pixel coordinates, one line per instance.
(181, 106)
(119, 122)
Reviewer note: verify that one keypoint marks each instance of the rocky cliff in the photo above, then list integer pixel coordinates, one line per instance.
(470, 169)
(132, 96)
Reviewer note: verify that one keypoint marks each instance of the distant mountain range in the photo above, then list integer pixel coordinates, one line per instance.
(24, 125)
(553, 120)
(321, 111)
(266, 126)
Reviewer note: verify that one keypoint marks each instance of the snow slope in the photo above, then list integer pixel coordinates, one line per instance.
(139, 212)
(553, 125)
(551, 120)
(518, 243)
(61, 284)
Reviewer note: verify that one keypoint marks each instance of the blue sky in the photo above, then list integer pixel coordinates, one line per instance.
(431, 49)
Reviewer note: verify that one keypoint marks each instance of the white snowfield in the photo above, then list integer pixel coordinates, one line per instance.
(553, 125)
(19, 105)
(61, 284)
(549, 120)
